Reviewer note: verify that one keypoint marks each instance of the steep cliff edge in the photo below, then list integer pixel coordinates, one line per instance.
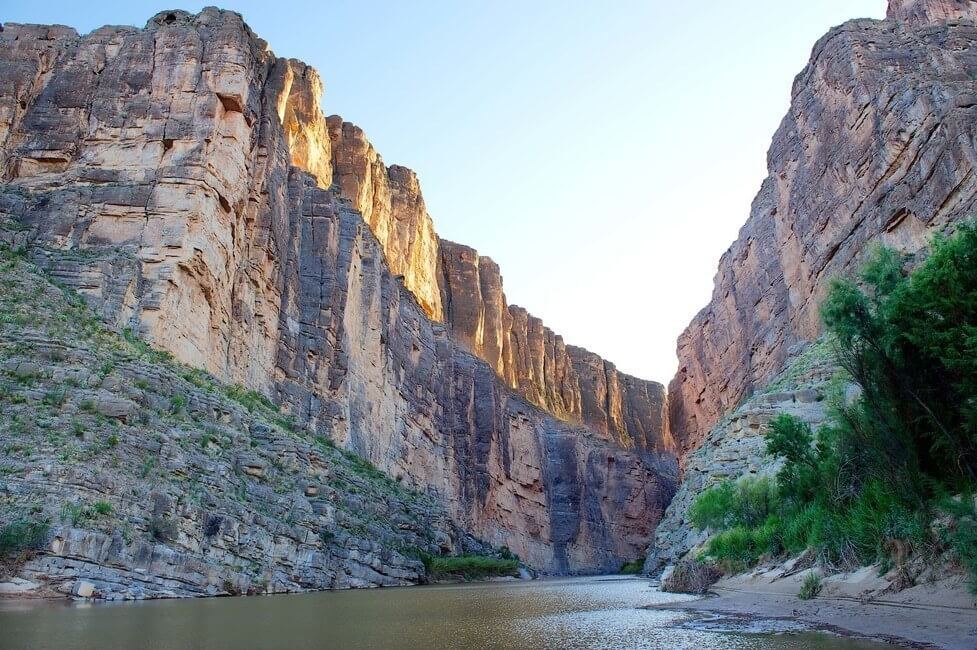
(572, 383)
(456, 285)
(878, 146)
(184, 180)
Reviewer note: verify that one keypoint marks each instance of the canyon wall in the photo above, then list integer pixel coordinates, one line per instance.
(878, 146)
(184, 180)
(456, 285)
(569, 382)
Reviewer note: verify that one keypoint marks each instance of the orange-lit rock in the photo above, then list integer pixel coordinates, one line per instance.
(569, 382)
(391, 203)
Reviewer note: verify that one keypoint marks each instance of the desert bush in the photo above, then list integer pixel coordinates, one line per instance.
(469, 567)
(633, 567)
(23, 535)
(691, 577)
(212, 525)
(811, 586)
(747, 502)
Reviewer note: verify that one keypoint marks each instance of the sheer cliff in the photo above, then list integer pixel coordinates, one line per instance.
(185, 181)
(878, 146)
(456, 285)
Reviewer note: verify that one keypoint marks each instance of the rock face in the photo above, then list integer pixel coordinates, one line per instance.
(931, 11)
(390, 201)
(456, 285)
(198, 490)
(878, 146)
(567, 381)
(180, 177)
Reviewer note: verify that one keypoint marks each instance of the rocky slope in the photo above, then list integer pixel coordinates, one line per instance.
(736, 447)
(878, 146)
(158, 481)
(184, 180)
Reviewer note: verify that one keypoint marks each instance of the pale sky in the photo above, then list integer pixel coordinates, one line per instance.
(605, 154)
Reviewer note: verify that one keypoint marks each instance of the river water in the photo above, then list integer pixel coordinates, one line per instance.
(567, 613)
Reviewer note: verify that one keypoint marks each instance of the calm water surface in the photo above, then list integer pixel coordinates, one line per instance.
(571, 613)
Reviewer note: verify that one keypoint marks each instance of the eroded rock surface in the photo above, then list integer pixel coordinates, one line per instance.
(179, 177)
(878, 146)
(567, 381)
(390, 200)
(456, 285)
(157, 481)
(931, 11)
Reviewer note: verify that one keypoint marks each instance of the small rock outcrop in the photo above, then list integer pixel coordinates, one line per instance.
(877, 147)
(931, 11)
(184, 180)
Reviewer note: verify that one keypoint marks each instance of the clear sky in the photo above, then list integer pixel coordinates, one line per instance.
(605, 154)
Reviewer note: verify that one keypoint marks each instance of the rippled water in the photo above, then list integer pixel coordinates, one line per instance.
(571, 613)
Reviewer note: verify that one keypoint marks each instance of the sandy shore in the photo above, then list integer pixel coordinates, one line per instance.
(941, 614)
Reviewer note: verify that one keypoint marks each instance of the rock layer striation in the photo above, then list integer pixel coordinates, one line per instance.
(878, 146)
(185, 181)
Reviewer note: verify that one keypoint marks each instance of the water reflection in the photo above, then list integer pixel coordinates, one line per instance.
(572, 613)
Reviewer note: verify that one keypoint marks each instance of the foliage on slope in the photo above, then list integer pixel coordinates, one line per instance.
(896, 456)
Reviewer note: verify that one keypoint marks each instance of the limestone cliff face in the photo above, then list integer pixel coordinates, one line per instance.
(567, 381)
(180, 177)
(878, 146)
(391, 203)
(456, 285)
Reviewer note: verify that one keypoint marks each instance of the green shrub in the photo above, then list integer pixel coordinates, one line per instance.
(811, 586)
(470, 567)
(252, 400)
(102, 508)
(177, 403)
(632, 568)
(740, 547)
(748, 502)
(962, 534)
(712, 508)
(23, 535)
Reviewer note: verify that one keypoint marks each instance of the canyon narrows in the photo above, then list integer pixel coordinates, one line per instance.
(238, 358)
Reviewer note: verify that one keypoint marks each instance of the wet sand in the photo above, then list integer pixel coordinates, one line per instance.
(860, 604)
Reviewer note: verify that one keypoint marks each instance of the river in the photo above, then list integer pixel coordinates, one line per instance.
(601, 612)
